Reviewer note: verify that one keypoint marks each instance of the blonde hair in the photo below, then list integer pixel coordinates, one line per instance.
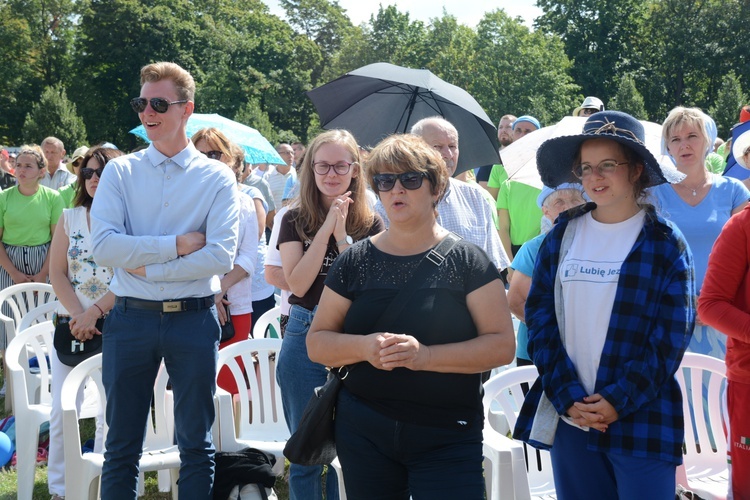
(183, 81)
(36, 152)
(401, 153)
(311, 213)
(680, 116)
(221, 142)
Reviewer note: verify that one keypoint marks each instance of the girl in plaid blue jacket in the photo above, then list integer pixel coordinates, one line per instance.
(610, 314)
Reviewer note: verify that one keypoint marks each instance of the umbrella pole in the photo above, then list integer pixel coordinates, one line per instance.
(412, 103)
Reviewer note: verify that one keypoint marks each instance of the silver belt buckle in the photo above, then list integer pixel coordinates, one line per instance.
(172, 306)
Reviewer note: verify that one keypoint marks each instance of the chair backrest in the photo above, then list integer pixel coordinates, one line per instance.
(268, 325)
(505, 389)
(17, 300)
(256, 381)
(38, 315)
(702, 380)
(35, 341)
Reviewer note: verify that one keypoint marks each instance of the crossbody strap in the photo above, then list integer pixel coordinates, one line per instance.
(426, 266)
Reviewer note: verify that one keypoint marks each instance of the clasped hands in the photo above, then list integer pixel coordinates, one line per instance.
(387, 351)
(595, 412)
(83, 325)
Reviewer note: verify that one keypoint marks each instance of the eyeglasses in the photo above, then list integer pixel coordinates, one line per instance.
(77, 163)
(341, 168)
(606, 167)
(214, 155)
(587, 111)
(158, 104)
(409, 180)
(88, 173)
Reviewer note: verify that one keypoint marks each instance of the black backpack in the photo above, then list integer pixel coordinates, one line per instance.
(238, 468)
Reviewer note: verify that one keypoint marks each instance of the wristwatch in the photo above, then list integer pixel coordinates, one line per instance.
(346, 241)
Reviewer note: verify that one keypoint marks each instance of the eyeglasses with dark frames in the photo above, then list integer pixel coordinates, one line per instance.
(606, 167)
(409, 180)
(158, 104)
(341, 168)
(88, 173)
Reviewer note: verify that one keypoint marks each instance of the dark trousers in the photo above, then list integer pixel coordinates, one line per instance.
(383, 458)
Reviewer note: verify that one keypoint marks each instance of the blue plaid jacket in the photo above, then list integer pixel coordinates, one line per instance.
(650, 327)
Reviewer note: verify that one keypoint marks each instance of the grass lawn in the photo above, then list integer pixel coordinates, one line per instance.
(8, 477)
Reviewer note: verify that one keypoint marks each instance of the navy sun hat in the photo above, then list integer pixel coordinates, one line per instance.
(554, 158)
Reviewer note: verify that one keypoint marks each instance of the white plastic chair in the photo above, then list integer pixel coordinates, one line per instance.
(705, 453)
(20, 299)
(82, 471)
(260, 423)
(30, 413)
(529, 480)
(268, 325)
(39, 314)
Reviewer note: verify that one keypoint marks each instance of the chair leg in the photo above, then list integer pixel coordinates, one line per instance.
(27, 443)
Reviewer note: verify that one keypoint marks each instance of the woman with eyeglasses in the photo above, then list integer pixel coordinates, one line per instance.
(700, 205)
(409, 416)
(68, 192)
(609, 316)
(82, 288)
(236, 294)
(328, 216)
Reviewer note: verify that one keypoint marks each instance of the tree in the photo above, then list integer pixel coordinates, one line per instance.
(54, 115)
(599, 35)
(521, 72)
(15, 54)
(251, 115)
(628, 99)
(728, 102)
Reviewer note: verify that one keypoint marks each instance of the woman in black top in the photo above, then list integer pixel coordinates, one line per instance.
(409, 418)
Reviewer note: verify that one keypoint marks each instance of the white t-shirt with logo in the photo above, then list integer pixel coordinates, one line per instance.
(589, 275)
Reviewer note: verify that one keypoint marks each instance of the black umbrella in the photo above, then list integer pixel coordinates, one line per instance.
(380, 99)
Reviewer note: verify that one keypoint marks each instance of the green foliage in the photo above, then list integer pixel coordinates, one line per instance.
(522, 72)
(727, 106)
(628, 99)
(54, 115)
(253, 116)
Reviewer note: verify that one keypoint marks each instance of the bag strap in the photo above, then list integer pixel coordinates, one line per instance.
(426, 266)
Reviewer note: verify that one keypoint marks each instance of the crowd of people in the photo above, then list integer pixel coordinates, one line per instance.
(405, 272)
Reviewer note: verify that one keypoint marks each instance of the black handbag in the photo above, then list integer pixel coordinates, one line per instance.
(227, 329)
(313, 443)
(71, 351)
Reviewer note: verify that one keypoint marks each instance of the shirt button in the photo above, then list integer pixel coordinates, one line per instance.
(164, 233)
(161, 288)
(166, 204)
(169, 177)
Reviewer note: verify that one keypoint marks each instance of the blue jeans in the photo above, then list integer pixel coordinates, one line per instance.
(134, 343)
(385, 459)
(583, 473)
(298, 377)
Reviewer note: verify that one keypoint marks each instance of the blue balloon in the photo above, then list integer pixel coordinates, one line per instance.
(6, 448)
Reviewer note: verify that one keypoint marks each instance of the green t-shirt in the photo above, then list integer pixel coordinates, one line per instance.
(68, 193)
(525, 216)
(497, 176)
(26, 220)
(715, 163)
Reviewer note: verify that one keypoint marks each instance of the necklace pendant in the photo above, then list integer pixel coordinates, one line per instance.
(694, 193)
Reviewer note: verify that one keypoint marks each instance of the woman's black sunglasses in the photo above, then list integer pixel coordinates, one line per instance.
(158, 104)
(214, 155)
(410, 180)
(88, 173)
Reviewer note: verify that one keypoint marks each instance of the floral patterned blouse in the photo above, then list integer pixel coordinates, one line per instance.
(89, 280)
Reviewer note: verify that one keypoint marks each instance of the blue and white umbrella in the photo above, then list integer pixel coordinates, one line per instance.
(257, 148)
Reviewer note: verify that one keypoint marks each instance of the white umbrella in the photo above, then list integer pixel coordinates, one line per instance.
(519, 158)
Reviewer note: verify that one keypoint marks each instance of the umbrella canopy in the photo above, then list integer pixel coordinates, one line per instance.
(257, 148)
(380, 99)
(519, 158)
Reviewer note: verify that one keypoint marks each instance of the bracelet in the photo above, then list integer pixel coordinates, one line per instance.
(100, 310)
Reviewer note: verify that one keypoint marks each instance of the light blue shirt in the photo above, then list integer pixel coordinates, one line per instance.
(143, 201)
(523, 263)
